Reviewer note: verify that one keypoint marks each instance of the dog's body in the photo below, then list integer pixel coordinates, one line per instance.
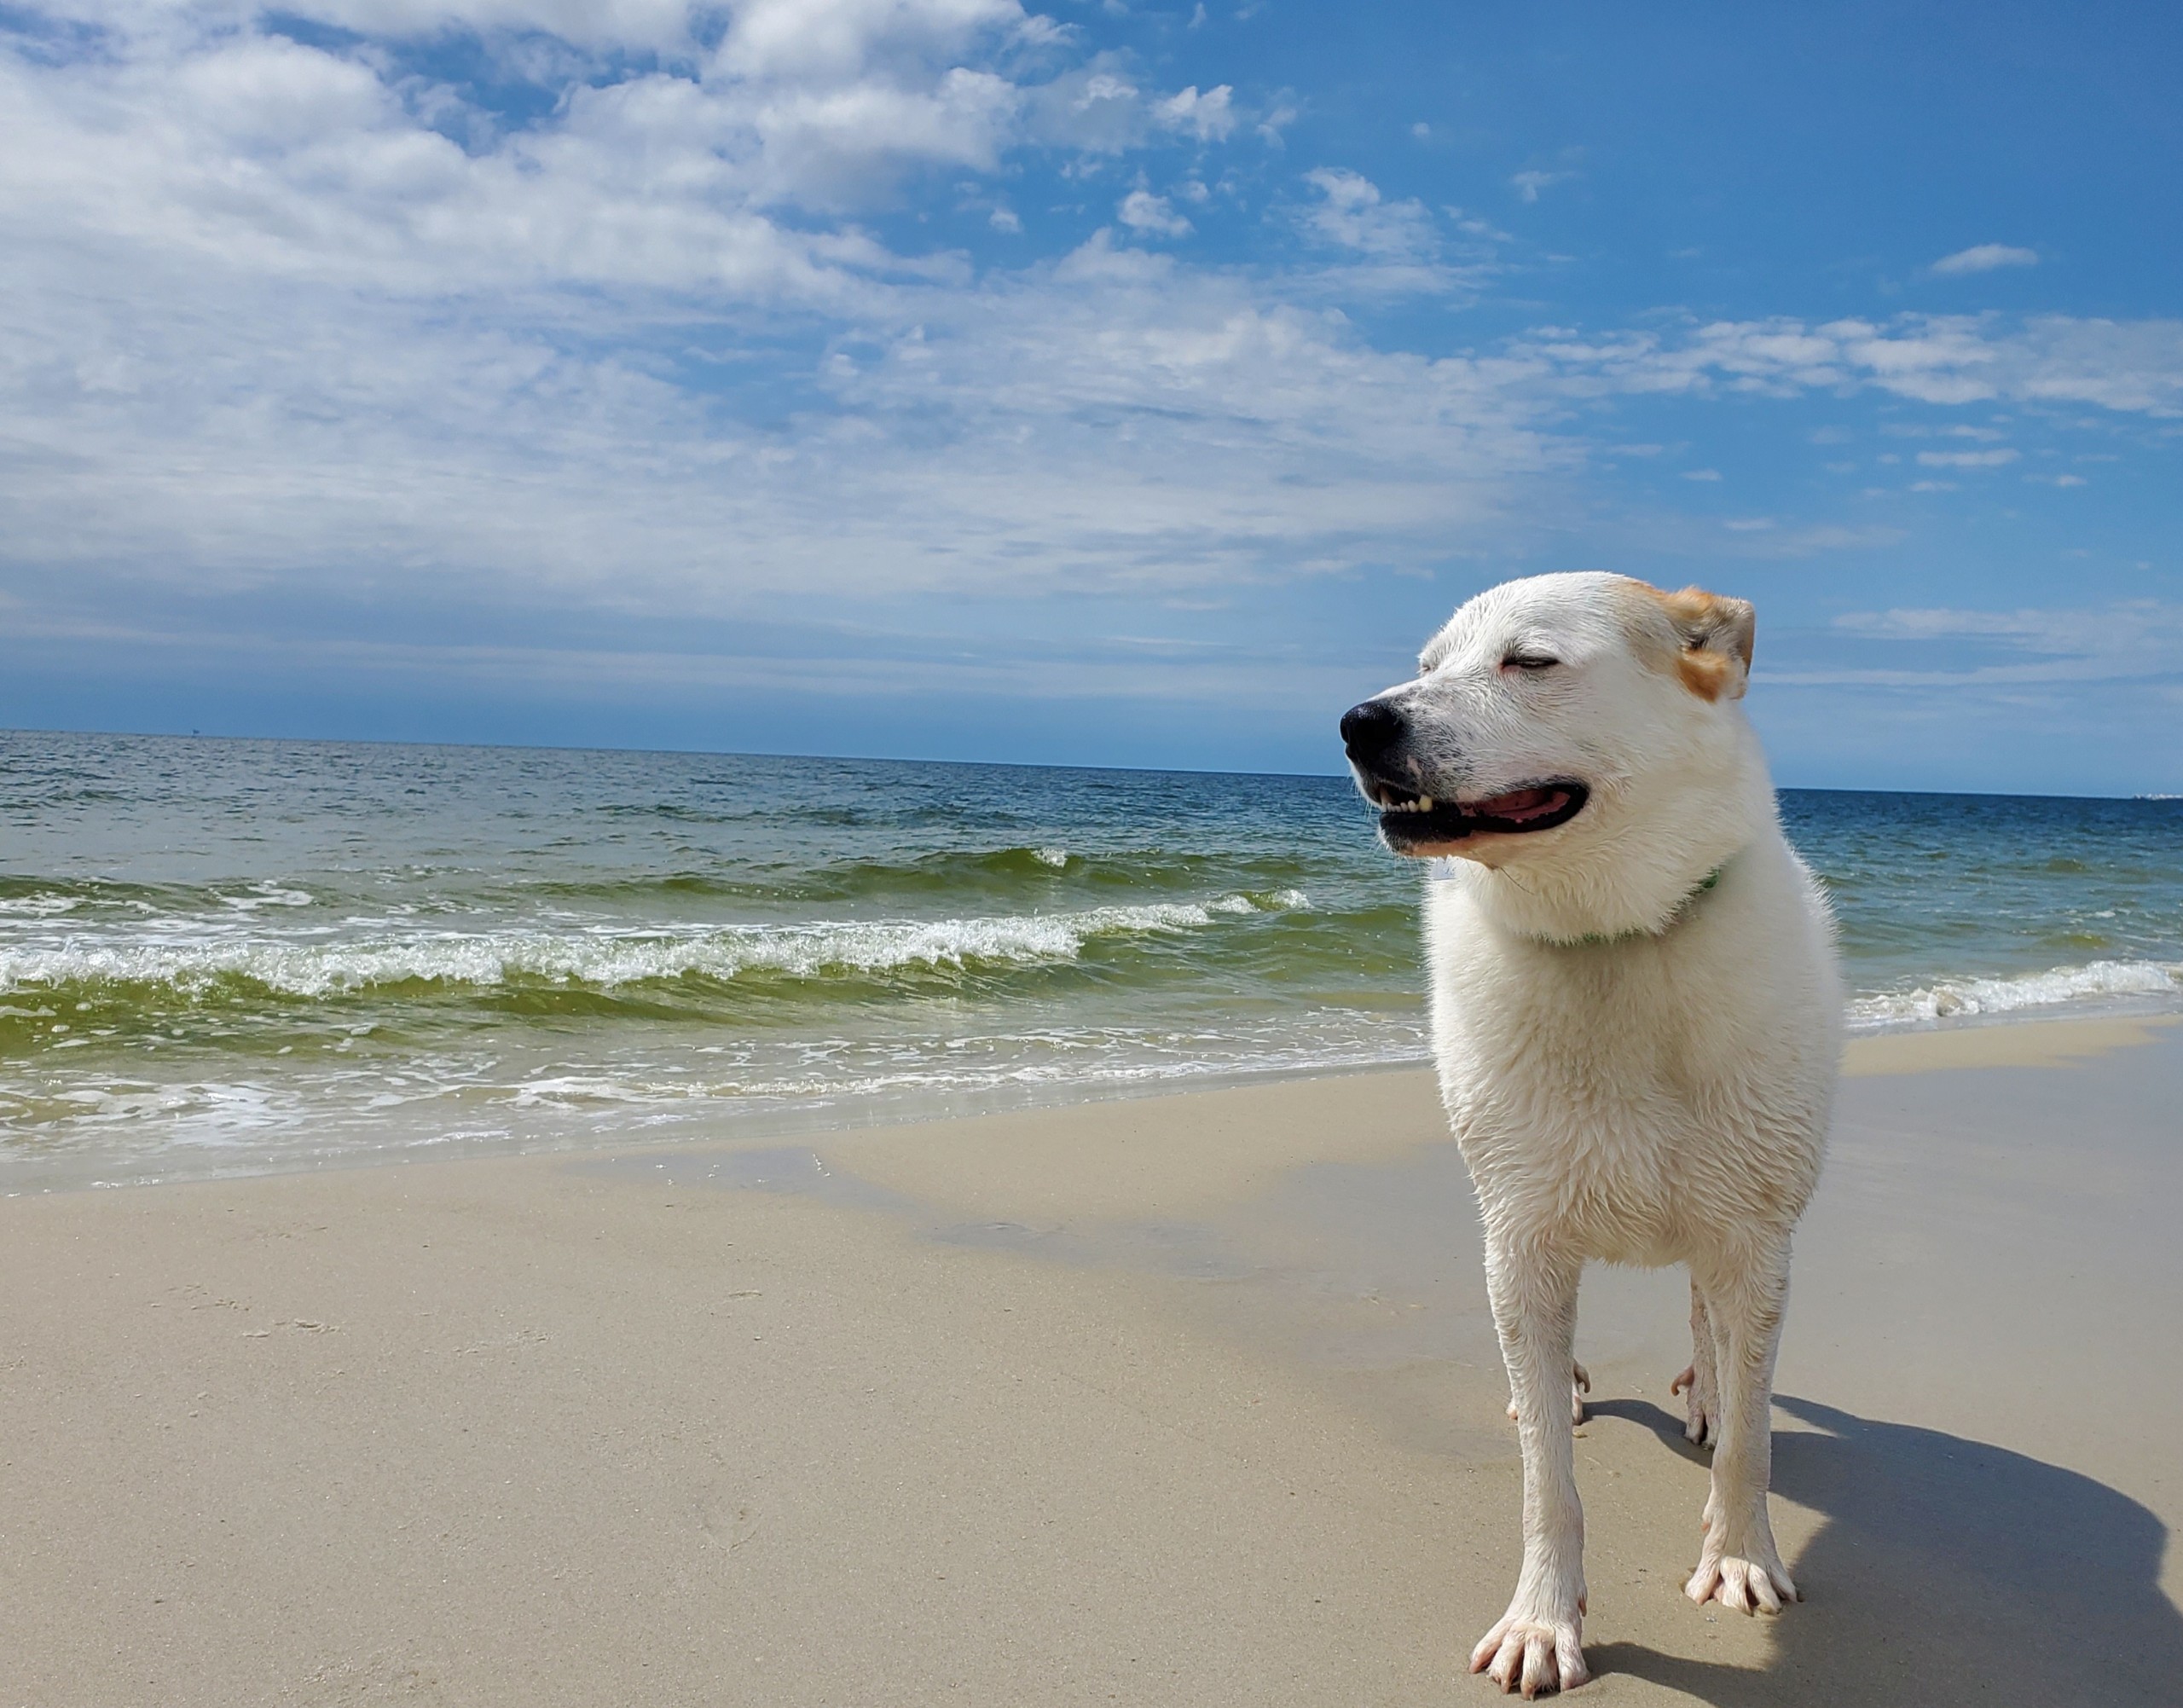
(1636, 1015)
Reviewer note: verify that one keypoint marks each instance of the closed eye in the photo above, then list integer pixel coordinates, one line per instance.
(1528, 661)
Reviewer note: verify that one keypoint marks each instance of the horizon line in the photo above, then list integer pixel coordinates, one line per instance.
(896, 759)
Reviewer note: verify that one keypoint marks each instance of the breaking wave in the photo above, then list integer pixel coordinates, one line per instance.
(606, 959)
(1966, 997)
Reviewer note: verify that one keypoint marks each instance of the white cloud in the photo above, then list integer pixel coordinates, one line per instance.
(1993, 459)
(1142, 211)
(1701, 474)
(191, 130)
(837, 40)
(662, 24)
(1351, 213)
(840, 146)
(1983, 259)
(2133, 366)
(1208, 117)
(1529, 184)
(1098, 108)
(1382, 248)
(272, 158)
(2133, 640)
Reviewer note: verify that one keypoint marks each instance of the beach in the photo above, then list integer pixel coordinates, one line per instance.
(754, 758)
(1186, 1399)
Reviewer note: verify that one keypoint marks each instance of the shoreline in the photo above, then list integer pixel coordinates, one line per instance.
(1976, 1041)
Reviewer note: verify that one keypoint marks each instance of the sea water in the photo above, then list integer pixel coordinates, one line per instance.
(223, 956)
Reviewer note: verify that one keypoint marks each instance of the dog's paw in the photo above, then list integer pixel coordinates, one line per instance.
(1580, 1384)
(1537, 1656)
(1702, 1410)
(1746, 1586)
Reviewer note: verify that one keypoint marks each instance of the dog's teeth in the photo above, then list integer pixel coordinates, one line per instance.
(1424, 804)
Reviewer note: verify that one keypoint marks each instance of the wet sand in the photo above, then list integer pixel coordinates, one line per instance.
(1183, 1400)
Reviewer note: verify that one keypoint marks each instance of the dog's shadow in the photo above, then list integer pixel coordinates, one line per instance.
(1948, 1570)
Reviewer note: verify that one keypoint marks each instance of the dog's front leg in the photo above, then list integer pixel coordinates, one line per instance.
(1739, 1563)
(1537, 1645)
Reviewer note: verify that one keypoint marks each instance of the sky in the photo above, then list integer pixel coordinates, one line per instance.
(1103, 384)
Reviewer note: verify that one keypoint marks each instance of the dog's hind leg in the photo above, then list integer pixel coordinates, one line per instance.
(1536, 1646)
(1738, 1563)
(1703, 1408)
(1580, 1384)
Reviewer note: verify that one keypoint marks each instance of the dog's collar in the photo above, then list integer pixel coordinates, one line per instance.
(1594, 939)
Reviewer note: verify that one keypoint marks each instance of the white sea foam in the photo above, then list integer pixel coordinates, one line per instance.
(610, 959)
(268, 894)
(38, 906)
(2100, 981)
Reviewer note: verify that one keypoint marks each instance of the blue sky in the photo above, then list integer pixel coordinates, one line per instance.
(1120, 384)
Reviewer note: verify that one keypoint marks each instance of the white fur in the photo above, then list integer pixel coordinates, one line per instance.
(1638, 1069)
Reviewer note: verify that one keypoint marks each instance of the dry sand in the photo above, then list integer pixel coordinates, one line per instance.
(1186, 1400)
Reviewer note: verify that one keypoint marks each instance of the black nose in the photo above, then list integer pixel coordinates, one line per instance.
(1369, 730)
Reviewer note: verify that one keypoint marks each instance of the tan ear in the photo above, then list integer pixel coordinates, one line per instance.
(1717, 634)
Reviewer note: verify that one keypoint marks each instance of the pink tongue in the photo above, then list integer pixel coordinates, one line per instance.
(1525, 804)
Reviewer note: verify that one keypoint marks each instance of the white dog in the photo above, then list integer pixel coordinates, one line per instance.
(1637, 1013)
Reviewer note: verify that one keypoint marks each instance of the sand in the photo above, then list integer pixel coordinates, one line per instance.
(1185, 1400)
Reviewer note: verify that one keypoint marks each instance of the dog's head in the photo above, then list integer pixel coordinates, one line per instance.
(1542, 709)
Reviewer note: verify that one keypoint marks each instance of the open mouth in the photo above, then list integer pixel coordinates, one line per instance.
(1409, 820)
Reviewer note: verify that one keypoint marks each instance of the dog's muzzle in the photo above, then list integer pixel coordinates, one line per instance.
(1412, 821)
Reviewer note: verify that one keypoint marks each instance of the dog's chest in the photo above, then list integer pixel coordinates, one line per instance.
(1587, 1093)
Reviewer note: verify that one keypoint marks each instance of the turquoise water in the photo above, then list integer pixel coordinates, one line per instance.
(221, 955)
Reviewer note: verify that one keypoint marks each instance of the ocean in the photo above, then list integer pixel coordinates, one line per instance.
(228, 956)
